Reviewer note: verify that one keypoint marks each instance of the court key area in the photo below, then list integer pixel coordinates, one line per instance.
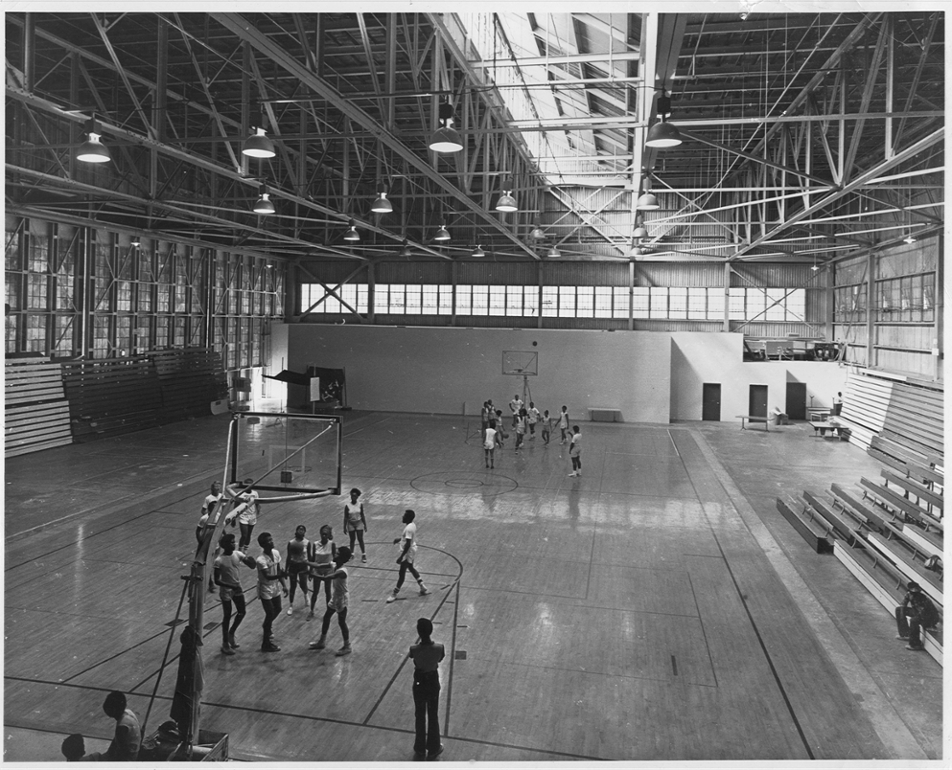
(654, 608)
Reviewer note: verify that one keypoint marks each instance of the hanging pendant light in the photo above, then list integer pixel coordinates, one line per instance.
(446, 139)
(640, 232)
(442, 234)
(506, 202)
(537, 233)
(406, 252)
(352, 235)
(263, 205)
(382, 205)
(663, 134)
(553, 253)
(92, 150)
(478, 252)
(258, 145)
(648, 202)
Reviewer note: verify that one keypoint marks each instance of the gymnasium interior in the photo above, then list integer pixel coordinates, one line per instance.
(307, 247)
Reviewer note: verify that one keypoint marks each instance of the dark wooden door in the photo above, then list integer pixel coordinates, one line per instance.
(796, 400)
(711, 402)
(758, 401)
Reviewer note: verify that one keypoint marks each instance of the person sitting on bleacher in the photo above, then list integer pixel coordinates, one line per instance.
(921, 613)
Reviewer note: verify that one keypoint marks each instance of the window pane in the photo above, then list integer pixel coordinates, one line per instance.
(445, 300)
(797, 305)
(550, 300)
(382, 298)
(480, 300)
(398, 298)
(531, 301)
(715, 304)
(464, 299)
(585, 301)
(620, 309)
(497, 300)
(329, 305)
(603, 301)
(363, 292)
(566, 301)
(659, 301)
(639, 299)
(756, 303)
(775, 312)
(513, 300)
(737, 297)
(697, 303)
(677, 303)
(430, 293)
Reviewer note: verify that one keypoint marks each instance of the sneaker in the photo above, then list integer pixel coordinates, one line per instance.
(232, 642)
(345, 650)
(318, 645)
(435, 754)
(310, 615)
(391, 598)
(424, 590)
(270, 647)
(363, 558)
(573, 473)
(902, 638)
(226, 650)
(916, 647)
(290, 610)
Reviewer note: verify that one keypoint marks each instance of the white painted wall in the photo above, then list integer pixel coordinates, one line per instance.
(654, 377)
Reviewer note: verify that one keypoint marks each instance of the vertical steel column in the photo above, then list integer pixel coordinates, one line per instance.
(371, 281)
(83, 304)
(938, 307)
(870, 305)
(540, 273)
(727, 297)
(631, 295)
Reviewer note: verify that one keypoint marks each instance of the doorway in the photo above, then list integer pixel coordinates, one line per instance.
(796, 407)
(757, 405)
(711, 402)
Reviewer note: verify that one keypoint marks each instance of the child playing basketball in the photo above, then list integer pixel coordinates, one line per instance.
(533, 416)
(564, 423)
(520, 428)
(355, 523)
(296, 565)
(338, 603)
(547, 423)
(408, 548)
(320, 557)
(489, 447)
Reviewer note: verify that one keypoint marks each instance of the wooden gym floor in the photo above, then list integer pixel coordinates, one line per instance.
(657, 608)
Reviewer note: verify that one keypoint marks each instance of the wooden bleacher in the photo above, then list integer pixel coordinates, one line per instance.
(815, 530)
(909, 488)
(36, 414)
(888, 499)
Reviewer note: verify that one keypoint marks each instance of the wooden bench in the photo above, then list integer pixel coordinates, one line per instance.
(604, 414)
(821, 427)
(889, 499)
(876, 519)
(846, 526)
(903, 557)
(909, 487)
(746, 418)
(811, 527)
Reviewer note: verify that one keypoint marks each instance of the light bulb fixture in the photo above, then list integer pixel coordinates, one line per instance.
(406, 252)
(909, 238)
(640, 232)
(92, 150)
(537, 233)
(442, 234)
(446, 138)
(663, 134)
(352, 234)
(263, 205)
(506, 202)
(648, 202)
(382, 205)
(553, 253)
(815, 265)
(135, 242)
(258, 145)
(478, 252)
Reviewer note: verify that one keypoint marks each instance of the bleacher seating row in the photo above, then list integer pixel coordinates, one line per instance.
(886, 534)
(49, 404)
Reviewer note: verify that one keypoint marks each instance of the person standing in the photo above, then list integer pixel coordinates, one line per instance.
(533, 416)
(229, 582)
(321, 557)
(408, 548)
(211, 505)
(547, 423)
(270, 578)
(426, 657)
(355, 523)
(575, 452)
(489, 447)
(921, 612)
(297, 565)
(246, 514)
(484, 417)
(520, 425)
(564, 423)
(515, 406)
(338, 604)
(500, 433)
(837, 404)
(124, 746)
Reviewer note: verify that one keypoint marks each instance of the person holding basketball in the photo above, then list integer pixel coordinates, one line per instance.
(355, 523)
(246, 514)
(271, 586)
(337, 578)
(321, 556)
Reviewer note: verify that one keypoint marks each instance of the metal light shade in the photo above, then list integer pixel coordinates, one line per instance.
(663, 135)
(442, 234)
(406, 252)
(506, 202)
(537, 233)
(382, 205)
(553, 253)
(446, 139)
(648, 202)
(640, 232)
(264, 205)
(258, 145)
(478, 252)
(352, 234)
(93, 151)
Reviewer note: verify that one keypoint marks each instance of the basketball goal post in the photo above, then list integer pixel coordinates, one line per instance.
(521, 363)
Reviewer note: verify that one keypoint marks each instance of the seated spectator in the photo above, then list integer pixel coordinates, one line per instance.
(125, 742)
(921, 613)
(74, 747)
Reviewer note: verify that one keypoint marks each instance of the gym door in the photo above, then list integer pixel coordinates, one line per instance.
(711, 402)
(796, 400)
(757, 406)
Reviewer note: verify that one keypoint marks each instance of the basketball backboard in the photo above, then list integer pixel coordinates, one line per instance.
(524, 362)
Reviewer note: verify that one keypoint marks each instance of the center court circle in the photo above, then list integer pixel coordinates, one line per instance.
(461, 483)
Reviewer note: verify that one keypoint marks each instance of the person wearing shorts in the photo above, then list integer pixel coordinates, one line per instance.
(489, 447)
(337, 578)
(355, 523)
(520, 426)
(297, 565)
(408, 548)
(210, 506)
(229, 582)
(575, 452)
(246, 514)
(320, 557)
(270, 588)
(564, 423)
(533, 416)
(546, 426)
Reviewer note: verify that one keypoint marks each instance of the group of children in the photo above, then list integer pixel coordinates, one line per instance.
(319, 561)
(524, 421)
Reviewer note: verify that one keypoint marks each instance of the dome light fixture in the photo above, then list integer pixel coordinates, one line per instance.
(648, 202)
(382, 205)
(406, 252)
(506, 202)
(92, 150)
(352, 235)
(662, 134)
(263, 205)
(553, 253)
(478, 252)
(640, 232)
(258, 145)
(442, 234)
(446, 139)
(537, 233)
